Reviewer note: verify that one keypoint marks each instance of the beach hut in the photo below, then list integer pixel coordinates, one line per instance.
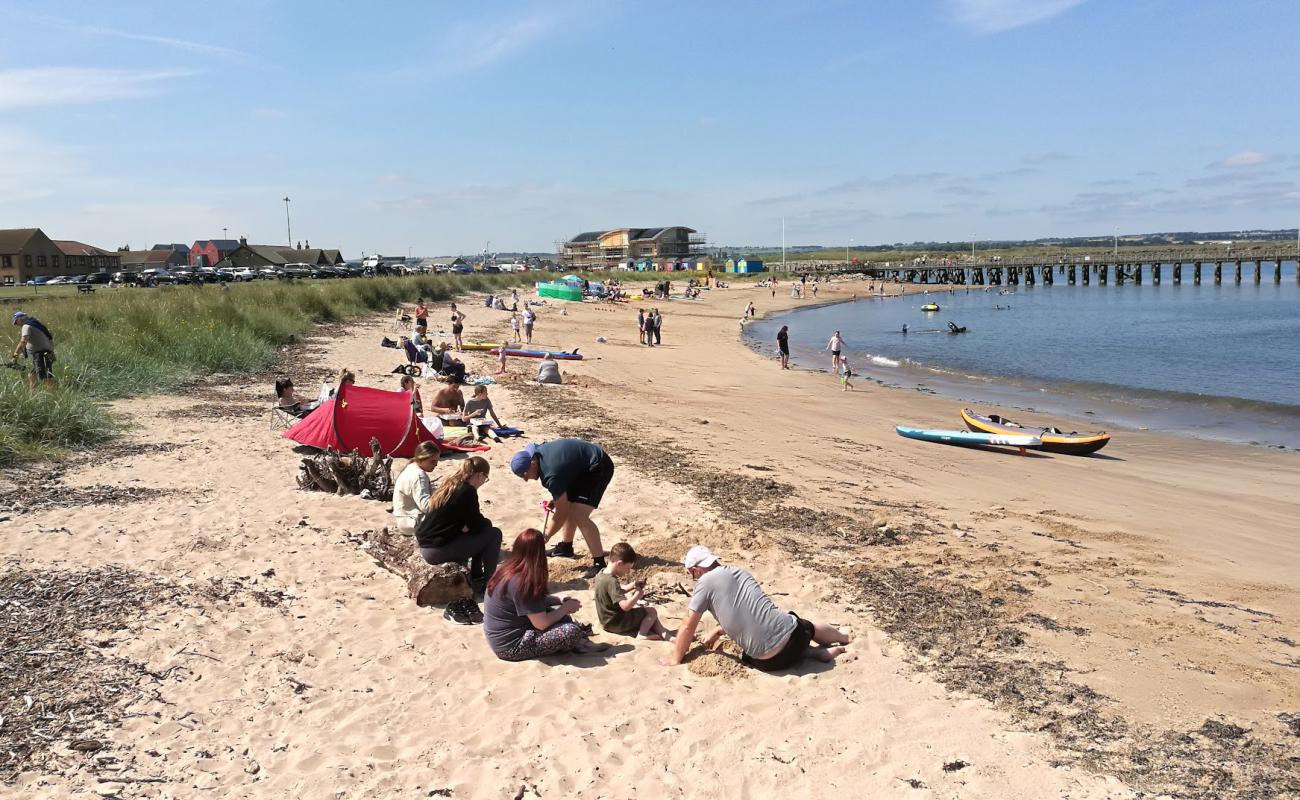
(747, 265)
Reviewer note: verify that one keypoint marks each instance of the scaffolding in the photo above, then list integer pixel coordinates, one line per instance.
(595, 250)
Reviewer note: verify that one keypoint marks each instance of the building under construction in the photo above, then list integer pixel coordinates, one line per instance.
(627, 246)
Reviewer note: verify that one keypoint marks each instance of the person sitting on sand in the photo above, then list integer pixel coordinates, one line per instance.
(408, 385)
(448, 364)
(619, 612)
(454, 528)
(412, 489)
(520, 620)
(771, 639)
(448, 400)
(576, 473)
(548, 371)
(477, 412)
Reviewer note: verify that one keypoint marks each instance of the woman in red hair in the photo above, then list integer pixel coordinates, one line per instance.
(520, 620)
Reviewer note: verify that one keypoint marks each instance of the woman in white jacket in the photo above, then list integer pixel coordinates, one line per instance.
(413, 488)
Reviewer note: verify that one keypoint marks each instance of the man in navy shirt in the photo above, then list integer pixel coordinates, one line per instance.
(576, 473)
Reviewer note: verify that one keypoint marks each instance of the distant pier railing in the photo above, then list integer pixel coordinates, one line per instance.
(1080, 268)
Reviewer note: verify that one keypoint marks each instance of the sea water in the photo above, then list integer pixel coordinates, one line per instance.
(1219, 362)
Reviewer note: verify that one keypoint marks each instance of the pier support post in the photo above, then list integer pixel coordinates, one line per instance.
(1137, 273)
(1257, 269)
(1277, 271)
(1103, 274)
(1178, 274)
(1120, 274)
(1218, 273)
(1156, 269)
(1029, 276)
(1087, 274)
(1069, 277)
(1237, 273)
(1196, 273)
(1048, 278)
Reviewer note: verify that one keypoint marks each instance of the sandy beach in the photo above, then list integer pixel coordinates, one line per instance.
(1026, 627)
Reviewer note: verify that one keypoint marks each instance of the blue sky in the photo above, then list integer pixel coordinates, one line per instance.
(442, 126)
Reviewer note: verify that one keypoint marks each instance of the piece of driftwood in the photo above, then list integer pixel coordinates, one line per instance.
(348, 473)
(427, 584)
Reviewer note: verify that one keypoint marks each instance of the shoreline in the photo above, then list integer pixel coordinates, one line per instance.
(1236, 421)
(983, 591)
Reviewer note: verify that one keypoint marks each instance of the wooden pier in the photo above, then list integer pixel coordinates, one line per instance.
(1080, 268)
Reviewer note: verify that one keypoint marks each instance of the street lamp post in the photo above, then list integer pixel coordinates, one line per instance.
(223, 232)
(846, 251)
(287, 225)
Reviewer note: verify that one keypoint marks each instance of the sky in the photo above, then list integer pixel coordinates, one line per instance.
(442, 128)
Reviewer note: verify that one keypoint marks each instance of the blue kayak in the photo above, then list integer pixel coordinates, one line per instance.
(970, 438)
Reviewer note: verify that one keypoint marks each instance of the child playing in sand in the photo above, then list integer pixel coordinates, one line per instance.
(619, 612)
(501, 357)
(848, 373)
(477, 413)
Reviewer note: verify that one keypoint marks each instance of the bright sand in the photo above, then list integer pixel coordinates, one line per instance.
(349, 690)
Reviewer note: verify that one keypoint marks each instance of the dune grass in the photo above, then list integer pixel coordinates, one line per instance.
(125, 342)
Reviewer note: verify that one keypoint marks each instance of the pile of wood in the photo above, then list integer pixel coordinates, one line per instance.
(349, 473)
(427, 584)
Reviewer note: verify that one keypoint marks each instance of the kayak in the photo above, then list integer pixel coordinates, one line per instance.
(555, 354)
(970, 439)
(930, 307)
(1054, 441)
(493, 346)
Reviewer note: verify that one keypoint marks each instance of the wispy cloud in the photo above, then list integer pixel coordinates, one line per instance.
(56, 86)
(1246, 158)
(983, 17)
(30, 168)
(202, 48)
(486, 42)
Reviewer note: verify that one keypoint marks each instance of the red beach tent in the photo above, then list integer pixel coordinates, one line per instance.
(359, 413)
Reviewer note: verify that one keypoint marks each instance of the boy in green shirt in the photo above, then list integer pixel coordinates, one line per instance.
(618, 611)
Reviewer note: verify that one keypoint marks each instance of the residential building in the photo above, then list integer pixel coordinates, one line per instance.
(166, 258)
(80, 258)
(257, 256)
(207, 252)
(605, 249)
(26, 253)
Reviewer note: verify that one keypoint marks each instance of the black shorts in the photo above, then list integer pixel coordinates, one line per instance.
(456, 329)
(589, 488)
(43, 365)
(793, 651)
(835, 353)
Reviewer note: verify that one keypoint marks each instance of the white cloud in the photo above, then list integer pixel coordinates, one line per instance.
(468, 46)
(202, 48)
(1246, 158)
(56, 86)
(994, 16)
(30, 168)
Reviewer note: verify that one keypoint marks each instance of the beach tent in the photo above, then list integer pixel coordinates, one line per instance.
(359, 413)
(574, 279)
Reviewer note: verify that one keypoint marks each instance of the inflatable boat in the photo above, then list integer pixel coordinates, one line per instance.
(1054, 441)
(930, 307)
(970, 439)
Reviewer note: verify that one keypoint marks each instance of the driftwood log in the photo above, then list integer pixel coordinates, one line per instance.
(349, 473)
(427, 584)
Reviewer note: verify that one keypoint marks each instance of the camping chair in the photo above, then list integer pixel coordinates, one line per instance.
(402, 320)
(414, 355)
(280, 418)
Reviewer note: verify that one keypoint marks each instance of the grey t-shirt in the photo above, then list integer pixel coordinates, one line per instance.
(505, 617)
(37, 341)
(549, 371)
(743, 610)
(474, 405)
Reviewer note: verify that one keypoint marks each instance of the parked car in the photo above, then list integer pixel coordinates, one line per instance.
(99, 277)
(270, 273)
(207, 275)
(160, 275)
(242, 273)
(38, 280)
(126, 276)
(57, 280)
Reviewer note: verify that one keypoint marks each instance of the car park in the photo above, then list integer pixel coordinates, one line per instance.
(155, 275)
(99, 278)
(39, 280)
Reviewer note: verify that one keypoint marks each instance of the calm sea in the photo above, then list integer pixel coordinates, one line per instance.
(1219, 362)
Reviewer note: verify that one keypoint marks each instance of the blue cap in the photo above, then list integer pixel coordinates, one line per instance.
(19, 315)
(520, 461)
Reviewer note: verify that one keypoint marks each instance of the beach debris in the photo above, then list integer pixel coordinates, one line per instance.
(427, 584)
(59, 685)
(1291, 721)
(953, 766)
(343, 474)
(915, 783)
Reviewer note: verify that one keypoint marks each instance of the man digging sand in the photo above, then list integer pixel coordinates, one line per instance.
(770, 638)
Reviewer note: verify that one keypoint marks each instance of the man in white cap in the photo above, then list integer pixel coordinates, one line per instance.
(37, 340)
(771, 639)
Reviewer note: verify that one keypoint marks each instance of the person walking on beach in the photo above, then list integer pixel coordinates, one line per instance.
(783, 346)
(835, 345)
(576, 473)
(771, 639)
(530, 317)
(640, 324)
(457, 327)
(847, 372)
(520, 620)
(38, 343)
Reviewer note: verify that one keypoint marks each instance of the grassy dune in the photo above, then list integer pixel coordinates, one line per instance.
(137, 341)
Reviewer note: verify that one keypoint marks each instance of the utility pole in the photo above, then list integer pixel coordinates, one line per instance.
(972, 248)
(287, 225)
(223, 233)
(1115, 252)
(846, 251)
(1297, 241)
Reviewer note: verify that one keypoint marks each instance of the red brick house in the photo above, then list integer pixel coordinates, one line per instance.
(207, 252)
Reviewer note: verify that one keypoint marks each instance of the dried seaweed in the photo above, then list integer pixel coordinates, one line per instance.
(60, 689)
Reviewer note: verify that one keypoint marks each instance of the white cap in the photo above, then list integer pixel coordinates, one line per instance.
(699, 556)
